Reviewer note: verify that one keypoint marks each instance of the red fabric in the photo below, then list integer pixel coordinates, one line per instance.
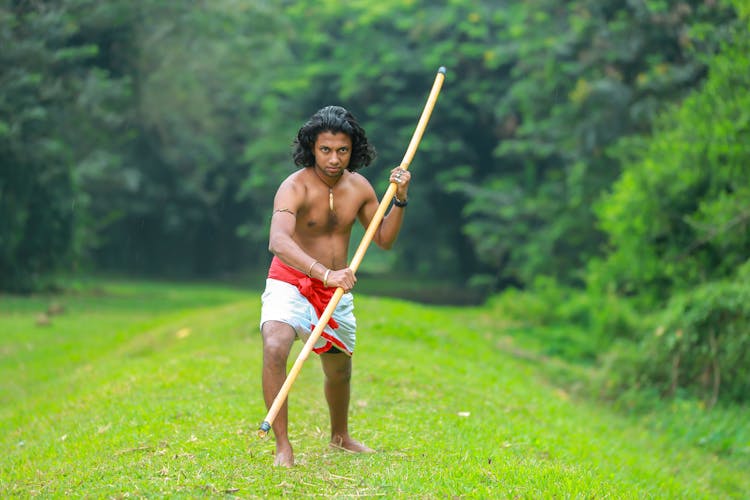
(310, 288)
(331, 342)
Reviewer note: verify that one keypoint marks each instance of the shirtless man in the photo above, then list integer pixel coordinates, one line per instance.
(314, 211)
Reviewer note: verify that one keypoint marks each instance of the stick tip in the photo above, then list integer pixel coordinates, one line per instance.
(263, 430)
(442, 70)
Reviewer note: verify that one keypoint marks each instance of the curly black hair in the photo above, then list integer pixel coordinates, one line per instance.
(333, 119)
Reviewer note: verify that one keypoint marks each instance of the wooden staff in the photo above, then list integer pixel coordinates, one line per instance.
(356, 260)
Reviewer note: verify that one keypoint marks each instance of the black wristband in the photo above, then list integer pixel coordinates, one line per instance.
(399, 203)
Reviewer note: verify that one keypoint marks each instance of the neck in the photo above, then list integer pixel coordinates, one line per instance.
(324, 180)
(328, 181)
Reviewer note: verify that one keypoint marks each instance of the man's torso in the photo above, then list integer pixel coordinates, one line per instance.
(324, 233)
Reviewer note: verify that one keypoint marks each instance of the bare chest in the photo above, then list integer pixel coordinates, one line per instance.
(328, 212)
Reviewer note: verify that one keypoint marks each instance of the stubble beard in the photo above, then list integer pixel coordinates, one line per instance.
(339, 173)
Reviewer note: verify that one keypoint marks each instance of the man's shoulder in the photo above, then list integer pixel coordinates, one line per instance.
(297, 174)
(295, 179)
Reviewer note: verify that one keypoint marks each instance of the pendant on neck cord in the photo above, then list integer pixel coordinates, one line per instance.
(330, 198)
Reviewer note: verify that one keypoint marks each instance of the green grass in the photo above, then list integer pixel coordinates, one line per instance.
(153, 389)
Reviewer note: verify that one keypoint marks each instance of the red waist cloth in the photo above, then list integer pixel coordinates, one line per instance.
(310, 288)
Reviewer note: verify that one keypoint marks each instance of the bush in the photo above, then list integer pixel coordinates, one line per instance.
(603, 315)
(700, 347)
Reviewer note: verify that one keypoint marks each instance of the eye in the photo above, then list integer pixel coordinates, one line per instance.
(325, 149)
(343, 150)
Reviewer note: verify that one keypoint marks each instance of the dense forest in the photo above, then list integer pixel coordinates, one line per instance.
(593, 151)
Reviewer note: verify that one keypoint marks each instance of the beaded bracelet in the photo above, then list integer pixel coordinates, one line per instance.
(400, 203)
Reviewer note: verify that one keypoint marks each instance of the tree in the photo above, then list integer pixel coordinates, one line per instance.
(46, 84)
(678, 216)
(579, 77)
(678, 229)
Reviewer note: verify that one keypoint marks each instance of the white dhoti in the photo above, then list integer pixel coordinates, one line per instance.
(284, 302)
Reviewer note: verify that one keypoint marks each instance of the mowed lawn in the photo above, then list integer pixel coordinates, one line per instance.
(153, 389)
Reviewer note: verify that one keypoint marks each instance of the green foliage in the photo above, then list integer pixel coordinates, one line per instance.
(592, 320)
(713, 352)
(51, 104)
(677, 222)
(572, 79)
(201, 78)
(700, 347)
(679, 214)
(167, 125)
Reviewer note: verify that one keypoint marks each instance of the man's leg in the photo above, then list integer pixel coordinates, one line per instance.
(338, 373)
(278, 338)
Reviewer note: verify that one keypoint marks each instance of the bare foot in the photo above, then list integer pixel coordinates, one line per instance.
(346, 443)
(284, 456)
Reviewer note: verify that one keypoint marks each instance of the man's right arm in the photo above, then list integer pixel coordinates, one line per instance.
(281, 240)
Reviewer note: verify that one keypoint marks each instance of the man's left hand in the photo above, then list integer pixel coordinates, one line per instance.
(401, 177)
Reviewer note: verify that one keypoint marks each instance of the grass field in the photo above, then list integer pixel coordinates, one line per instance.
(153, 389)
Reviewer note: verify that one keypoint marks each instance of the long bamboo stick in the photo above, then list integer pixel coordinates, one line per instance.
(273, 411)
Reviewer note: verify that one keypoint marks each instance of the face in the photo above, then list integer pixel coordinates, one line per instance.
(332, 153)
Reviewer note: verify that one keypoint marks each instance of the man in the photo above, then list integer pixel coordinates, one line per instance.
(314, 211)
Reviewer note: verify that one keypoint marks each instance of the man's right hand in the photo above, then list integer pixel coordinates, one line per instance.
(343, 278)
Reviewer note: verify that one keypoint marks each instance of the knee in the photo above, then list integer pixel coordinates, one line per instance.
(275, 351)
(276, 344)
(341, 375)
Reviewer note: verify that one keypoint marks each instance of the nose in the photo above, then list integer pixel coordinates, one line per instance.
(334, 160)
